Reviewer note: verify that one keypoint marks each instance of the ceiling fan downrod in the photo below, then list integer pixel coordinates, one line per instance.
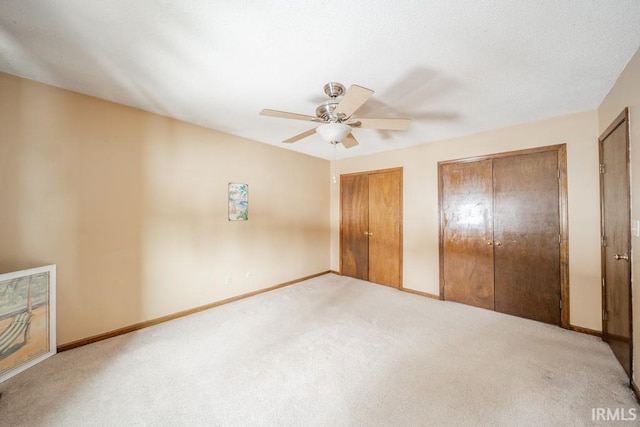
(326, 110)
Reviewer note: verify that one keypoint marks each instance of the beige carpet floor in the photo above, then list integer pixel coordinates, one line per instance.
(330, 351)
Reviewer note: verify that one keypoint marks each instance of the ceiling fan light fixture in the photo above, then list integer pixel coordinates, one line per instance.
(336, 116)
(333, 132)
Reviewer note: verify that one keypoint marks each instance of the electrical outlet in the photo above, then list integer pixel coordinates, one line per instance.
(248, 275)
(227, 281)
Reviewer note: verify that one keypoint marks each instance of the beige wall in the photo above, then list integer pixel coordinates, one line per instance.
(132, 207)
(578, 131)
(626, 93)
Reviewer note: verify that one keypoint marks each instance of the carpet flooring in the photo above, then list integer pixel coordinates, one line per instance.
(330, 351)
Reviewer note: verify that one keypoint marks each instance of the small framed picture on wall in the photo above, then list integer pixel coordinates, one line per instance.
(238, 202)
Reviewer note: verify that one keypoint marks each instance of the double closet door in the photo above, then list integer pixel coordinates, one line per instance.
(501, 233)
(371, 226)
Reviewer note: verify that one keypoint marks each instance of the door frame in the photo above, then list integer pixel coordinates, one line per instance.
(400, 213)
(561, 149)
(622, 119)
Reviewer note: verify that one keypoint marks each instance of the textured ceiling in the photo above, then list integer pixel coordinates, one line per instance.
(454, 67)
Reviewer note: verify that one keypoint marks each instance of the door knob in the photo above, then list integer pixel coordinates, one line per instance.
(498, 243)
(623, 256)
(366, 233)
(489, 243)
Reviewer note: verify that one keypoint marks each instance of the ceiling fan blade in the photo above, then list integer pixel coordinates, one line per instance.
(300, 136)
(349, 141)
(353, 99)
(391, 124)
(286, 115)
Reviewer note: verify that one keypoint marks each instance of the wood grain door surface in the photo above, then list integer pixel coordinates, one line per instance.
(384, 228)
(467, 198)
(354, 195)
(371, 226)
(616, 250)
(526, 231)
(500, 234)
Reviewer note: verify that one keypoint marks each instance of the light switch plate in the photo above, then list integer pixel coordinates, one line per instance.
(635, 228)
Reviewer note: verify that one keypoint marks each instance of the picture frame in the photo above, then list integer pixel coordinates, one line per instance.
(27, 319)
(238, 201)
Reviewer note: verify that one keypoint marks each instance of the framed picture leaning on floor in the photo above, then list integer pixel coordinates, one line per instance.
(27, 319)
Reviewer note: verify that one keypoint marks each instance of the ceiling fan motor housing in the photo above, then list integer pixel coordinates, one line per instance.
(326, 111)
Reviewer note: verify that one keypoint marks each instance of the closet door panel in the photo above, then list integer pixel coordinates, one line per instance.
(526, 236)
(466, 209)
(355, 226)
(384, 228)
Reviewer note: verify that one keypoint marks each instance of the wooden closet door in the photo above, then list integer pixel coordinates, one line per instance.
(354, 202)
(384, 228)
(526, 232)
(466, 219)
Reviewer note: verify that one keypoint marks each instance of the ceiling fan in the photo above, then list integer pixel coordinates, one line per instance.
(336, 116)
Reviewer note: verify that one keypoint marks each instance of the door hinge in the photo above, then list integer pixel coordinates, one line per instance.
(603, 282)
(603, 242)
(604, 314)
(558, 173)
(559, 238)
(560, 304)
(602, 168)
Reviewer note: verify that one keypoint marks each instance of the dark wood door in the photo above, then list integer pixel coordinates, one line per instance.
(503, 233)
(526, 232)
(616, 248)
(354, 202)
(466, 218)
(384, 228)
